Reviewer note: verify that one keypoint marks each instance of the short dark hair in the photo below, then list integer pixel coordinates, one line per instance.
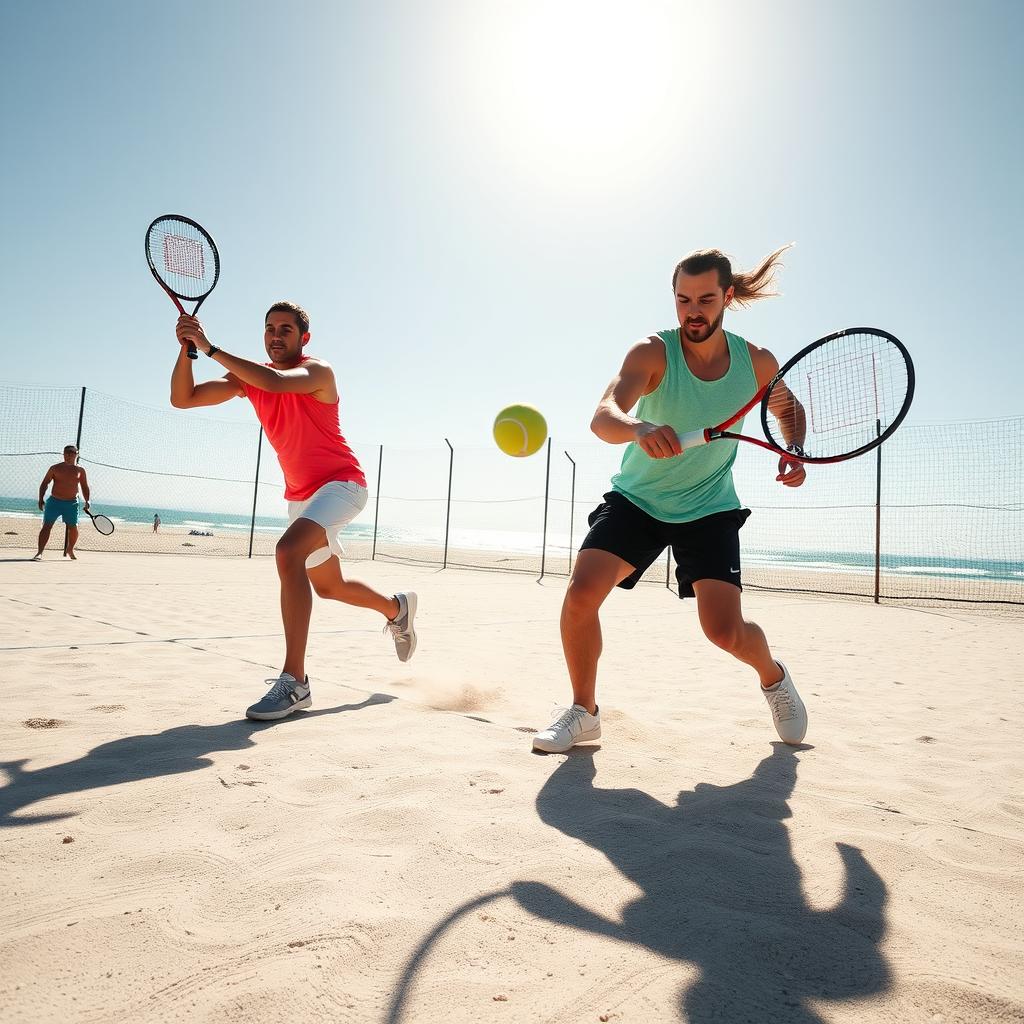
(70, 448)
(301, 316)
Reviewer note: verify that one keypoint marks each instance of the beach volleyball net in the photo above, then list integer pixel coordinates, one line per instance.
(914, 521)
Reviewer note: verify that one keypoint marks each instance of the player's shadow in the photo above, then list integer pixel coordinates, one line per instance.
(721, 892)
(134, 758)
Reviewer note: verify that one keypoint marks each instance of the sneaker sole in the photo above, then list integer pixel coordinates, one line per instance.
(411, 603)
(273, 716)
(587, 737)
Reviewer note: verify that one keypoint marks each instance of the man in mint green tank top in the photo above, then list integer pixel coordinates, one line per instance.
(679, 380)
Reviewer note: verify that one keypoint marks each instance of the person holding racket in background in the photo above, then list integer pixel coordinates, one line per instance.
(295, 397)
(680, 380)
(62, 503)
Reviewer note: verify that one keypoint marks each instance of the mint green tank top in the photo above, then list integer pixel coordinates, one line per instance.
(698, 482)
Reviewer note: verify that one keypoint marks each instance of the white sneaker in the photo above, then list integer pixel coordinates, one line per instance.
(788, 709)
(574, 725)
(401, 627)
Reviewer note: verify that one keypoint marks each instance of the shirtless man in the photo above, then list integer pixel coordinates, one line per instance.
(62, 503)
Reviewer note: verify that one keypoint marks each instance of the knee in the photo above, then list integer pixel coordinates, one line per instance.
(288, 554)
(583, 597)
(724, 633)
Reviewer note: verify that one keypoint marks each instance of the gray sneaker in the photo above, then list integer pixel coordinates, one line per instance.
(284, 697)
(401, 627)
(788, 709)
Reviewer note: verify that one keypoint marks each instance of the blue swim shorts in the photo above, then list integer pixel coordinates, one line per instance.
(60, 508)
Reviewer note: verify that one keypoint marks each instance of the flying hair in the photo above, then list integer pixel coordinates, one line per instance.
(748, 286)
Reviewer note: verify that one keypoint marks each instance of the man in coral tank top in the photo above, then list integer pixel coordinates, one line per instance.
(678, 380)
(296, 399)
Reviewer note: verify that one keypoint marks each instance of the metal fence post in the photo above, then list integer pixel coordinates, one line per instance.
(668, 568)
(376, 507)
(255, 490)
(448, 508)
(78, 457)
(878, 510)
(547, 489)
(572, 506)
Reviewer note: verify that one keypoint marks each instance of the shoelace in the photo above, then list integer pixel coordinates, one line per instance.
(782, 704)
(392, 627)
(280, 689)
(571, 719)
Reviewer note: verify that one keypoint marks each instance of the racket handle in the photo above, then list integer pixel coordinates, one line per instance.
(693, 439)
(193, 352)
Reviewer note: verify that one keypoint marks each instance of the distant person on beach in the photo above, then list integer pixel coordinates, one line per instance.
(296, 400)
(682, 379)
(62, 503)
(156, 521)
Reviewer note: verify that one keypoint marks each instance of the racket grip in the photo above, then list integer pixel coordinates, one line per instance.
(693, 439)
(193, 352)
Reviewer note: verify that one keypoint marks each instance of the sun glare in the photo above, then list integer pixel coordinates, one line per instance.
(579, 93)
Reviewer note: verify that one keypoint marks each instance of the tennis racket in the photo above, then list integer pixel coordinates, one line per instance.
(840, 397)
(102, 523)
(184, 260)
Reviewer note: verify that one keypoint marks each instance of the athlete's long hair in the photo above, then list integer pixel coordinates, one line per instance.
(748, 287)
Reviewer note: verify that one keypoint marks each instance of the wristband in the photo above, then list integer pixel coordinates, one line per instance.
(212, 351)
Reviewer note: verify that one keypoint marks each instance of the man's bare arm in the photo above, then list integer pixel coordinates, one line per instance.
(783, 405)
(313, 377)
(186, 394)
(47, 480)
(641, 370)
(84, 481)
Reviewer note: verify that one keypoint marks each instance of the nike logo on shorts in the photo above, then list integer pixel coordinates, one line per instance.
(734, 570)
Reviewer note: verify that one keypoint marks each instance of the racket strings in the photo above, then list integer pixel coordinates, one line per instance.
(183, 258)
(842, 396)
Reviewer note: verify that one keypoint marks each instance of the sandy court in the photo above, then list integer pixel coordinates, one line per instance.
(398, 854)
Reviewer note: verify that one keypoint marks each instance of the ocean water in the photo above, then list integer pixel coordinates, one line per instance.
(517, 542)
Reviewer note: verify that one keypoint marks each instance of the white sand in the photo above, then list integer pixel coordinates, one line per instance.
(399, 854)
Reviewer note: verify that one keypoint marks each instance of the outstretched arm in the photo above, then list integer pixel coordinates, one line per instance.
(311, 378)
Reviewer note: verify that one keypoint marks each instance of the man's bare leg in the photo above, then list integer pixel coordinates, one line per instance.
(299, 541)
(721, 618)
(72, 541)
(44, 536)
(593, 577)
(330, 584)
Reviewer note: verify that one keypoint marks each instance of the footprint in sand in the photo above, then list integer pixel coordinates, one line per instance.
(43, 723)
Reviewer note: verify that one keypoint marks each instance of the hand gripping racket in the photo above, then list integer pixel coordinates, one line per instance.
(840, 397)
(184, 260)
(102, 523)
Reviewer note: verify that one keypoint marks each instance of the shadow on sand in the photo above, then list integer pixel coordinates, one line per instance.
(721, 892)
(133, 758)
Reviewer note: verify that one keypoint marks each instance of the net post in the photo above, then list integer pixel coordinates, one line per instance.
(78, 457)
(572, 505)
(878, 510)
(668, 568)
(376, 504)
(547, 489)
(255, 490)
(448, 506)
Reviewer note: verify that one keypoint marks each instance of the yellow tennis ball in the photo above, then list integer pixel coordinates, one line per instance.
(520, 430)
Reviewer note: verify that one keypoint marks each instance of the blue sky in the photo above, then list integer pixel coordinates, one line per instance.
(481, 203)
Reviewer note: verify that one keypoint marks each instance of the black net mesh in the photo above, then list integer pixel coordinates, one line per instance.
(943, 504)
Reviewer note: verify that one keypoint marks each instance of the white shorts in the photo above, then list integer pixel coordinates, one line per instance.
(333, 507)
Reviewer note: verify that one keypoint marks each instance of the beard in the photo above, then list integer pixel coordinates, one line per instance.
(699, 334)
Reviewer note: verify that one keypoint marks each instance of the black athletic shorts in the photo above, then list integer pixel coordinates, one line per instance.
(705, 549)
